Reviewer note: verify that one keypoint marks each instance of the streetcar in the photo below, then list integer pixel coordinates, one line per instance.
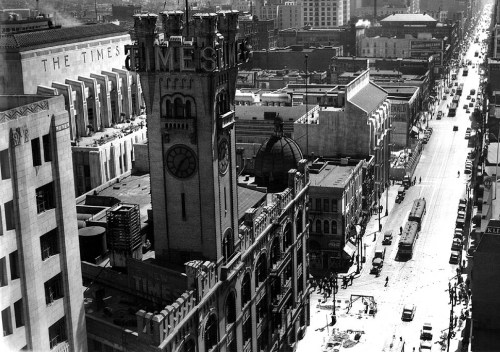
(407, 240)
(417, 212)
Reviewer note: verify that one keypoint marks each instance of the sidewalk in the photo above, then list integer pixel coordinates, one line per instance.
(319, 330)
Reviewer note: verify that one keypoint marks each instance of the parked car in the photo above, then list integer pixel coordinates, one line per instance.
(465, 106)
(387, 237)
(455, 257)
(426, 332)
(456, 245)
(408, 312)
(468, 97)
(455, 128)
(467, 111)
(425, 346)
(471, 104)
(439, 115)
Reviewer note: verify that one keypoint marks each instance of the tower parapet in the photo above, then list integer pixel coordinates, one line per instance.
(204, 43)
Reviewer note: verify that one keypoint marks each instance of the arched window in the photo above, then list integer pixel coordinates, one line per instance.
(179, 108)
(318, 226)
(334, 227)
(326, 226)
(211, 333)
(287, 236)
(246, 290)
(230, 308)
(260, 270)
(228, 244)
(275, 252)
(189, 110)
(168, 108)
(298, 223)
(189, 346)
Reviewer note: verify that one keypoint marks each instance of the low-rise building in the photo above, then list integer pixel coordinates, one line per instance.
(335, 212)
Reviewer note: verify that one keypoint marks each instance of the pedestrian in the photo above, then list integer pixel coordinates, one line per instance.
(400, 230)
(352, 278)
(420, 180)
(386, 281)
(458, 173)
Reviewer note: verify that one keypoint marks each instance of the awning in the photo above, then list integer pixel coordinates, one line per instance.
(349, 249)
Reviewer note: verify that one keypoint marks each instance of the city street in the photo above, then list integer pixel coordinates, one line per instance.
(423, 280)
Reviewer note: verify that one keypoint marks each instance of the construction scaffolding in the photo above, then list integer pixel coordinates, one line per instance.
(124, 233)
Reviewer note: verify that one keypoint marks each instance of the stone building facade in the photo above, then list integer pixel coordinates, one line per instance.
(40, 283)
(243, 251)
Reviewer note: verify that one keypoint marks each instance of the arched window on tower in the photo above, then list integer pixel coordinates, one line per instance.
(334, 227)
(189, 109)
(211, 333)
(168, 108)
(318, 226)
(179, 108)
(326, 226)
(228, 245)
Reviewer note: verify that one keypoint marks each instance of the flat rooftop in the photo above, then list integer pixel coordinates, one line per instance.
(133, 189)
(332, 176)
(107, 135)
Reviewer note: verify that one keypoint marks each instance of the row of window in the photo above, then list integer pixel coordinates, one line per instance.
(14, 268)
(326, 226)
(324, 204)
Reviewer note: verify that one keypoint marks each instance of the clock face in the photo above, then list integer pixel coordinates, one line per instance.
(181, 161)
(223, 151)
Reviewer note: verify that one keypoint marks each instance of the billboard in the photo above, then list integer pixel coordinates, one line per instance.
(426, 45)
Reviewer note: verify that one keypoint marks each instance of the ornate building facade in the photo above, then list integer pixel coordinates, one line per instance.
(243, 251)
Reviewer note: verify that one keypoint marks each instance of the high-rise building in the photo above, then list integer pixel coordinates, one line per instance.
(325, 14)
(40, 277)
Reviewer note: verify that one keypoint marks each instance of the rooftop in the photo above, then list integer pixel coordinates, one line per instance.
(331, 176)
(133, 189)
(249, 198)
(254, 112)
(60, 36)
(109, 134)
(408, 17)
(369, 97)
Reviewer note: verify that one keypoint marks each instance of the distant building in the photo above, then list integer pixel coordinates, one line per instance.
(85, 65)
(260, 34)
(343, 36)
(366, 110)
(329, 14)
(40, 275)
(125, 12)
(290, 15)
(334, 217)
(293, 58)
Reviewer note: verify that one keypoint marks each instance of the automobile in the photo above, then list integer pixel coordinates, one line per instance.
(456, 84)
(439, 115)
(445, 97)
(467, 111)
(468, 170)
(472, 91)
(377, 265)
(471, 104)
(426, 332)
(473, 100)
(387, 237)
(456, 245)
(455, 257)
(430, 129)
(425, 140)
(467, 134)
(453, 91)
(425, 346)
(455, 128)
(468, 97)
(461, 214)
(465, 106)
(458, 236)
(408, 312)
(446, 91)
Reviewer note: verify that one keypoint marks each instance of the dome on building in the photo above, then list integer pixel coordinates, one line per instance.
(275, 157)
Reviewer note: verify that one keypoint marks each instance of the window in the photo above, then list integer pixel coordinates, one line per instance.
(5, 164)
(57, 332)
(35, 152)
(6, 321)
(45, 198)
(47, 148)
(318, 226)
(53, 289)
(183, 206)
(334, 206)
(14, 265)
(334, 227)
(318, 204)
(49, 244)
(325, 205)
(3, 272)
(10, 223)
(179, 108)
(326, 226)
(18, 313)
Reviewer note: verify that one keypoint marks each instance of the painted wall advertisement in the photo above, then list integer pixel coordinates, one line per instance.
(428, 45)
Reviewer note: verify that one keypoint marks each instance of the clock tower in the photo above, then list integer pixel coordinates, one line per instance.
(188, 69)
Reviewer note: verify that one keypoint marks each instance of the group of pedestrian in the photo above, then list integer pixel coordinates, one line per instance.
(414, 181)
(328, 284)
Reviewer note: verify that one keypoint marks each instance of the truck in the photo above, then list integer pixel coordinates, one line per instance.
(407, 240)
(407, 181)
(387, 238)
(378, 260)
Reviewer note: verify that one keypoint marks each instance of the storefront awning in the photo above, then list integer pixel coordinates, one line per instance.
(349, 249)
